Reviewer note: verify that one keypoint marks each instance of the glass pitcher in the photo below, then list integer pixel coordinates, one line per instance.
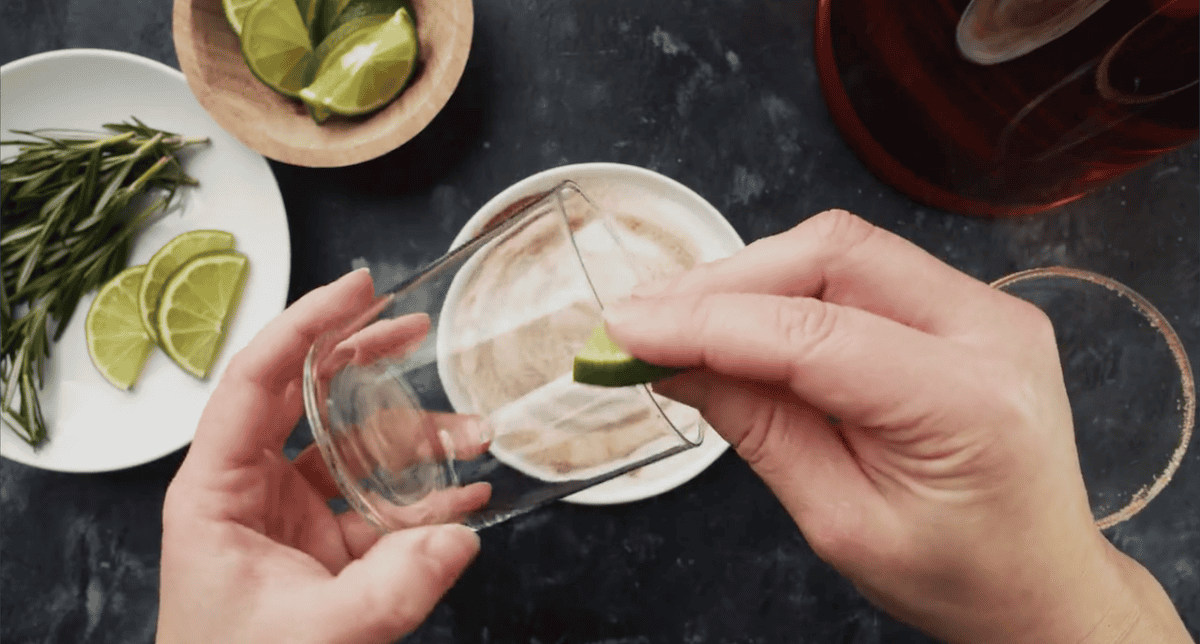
(1009, 107)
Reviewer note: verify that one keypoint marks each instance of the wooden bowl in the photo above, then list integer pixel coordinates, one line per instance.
(279, 127)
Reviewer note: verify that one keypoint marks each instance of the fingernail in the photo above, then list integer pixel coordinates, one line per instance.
(651, 289)
(485, 432)
(622, 313)
(362, 269)
(447, 444)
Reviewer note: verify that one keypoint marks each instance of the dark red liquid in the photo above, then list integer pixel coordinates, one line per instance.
(1015, 137)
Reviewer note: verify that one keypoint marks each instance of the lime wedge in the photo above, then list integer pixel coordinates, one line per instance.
(336, 13)
(601, 362)
(197, 303)
(277, 46)
(116, 340)
(235, 13)
(167, 260)
(310, 12)
(367, 69)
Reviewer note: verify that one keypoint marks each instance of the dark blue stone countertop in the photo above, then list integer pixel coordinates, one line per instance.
(677, 87)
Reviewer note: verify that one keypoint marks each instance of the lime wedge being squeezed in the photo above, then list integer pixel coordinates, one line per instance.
(601, 362)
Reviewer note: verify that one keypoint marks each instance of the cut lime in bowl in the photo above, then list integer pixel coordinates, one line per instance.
(367, 69)
(277, 46)
(280, 127)
(235, 12)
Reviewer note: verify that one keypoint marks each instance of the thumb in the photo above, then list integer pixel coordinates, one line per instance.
(389, 591)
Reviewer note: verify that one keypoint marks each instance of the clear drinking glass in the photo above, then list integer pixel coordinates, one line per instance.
(1129, 382)
(450, 399)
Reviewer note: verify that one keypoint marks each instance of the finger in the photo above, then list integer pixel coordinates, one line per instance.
(358, 535)
(311, 465)
(461, 437)
(450, 505)
(858, 366)
(840, 258)
(273, 358)
(395, 585)
(795, 449)
(389, 338)
(258, 401)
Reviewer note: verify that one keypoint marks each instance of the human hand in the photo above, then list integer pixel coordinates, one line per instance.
(251, 551)
(912, 420)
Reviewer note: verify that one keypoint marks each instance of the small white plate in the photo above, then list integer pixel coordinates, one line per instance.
(93, 426)
(622, 188)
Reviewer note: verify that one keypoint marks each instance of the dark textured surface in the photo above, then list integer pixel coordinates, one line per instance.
(721, 96)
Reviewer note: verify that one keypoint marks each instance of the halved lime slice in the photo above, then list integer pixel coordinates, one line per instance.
(235, 12)
(366, 70)
(277, 46)
(167, 260)
(116, 340)
(197, 303)
(601, 362)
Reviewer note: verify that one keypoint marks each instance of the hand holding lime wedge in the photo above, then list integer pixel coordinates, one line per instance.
(603, 363)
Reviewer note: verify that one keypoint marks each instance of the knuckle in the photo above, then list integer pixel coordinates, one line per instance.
(842, 230)
(806, 324)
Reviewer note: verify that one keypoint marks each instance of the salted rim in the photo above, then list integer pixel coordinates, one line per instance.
(1156, 319)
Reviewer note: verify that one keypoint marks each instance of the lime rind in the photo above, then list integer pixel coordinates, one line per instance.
(192, 326)
(235, 12)
(117, 343)
(167, 260)
(603, 363)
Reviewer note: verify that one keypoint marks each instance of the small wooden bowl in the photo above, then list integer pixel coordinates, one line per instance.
(279, 127)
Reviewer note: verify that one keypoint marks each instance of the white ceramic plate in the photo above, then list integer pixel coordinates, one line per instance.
(630, 189)
(92, 425)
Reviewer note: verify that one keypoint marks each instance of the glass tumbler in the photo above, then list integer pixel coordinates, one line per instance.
(450, 399)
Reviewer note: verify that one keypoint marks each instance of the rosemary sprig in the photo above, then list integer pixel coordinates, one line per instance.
(67, 223)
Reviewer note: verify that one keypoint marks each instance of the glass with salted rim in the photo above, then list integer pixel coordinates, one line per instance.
(1128, 379)
(450, 398)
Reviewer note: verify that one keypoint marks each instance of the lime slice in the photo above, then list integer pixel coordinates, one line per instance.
(197, 303)
(366, 70)
(116, 340)
(167, 260)
(601, 362)
(235, 13)
(277, 46)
